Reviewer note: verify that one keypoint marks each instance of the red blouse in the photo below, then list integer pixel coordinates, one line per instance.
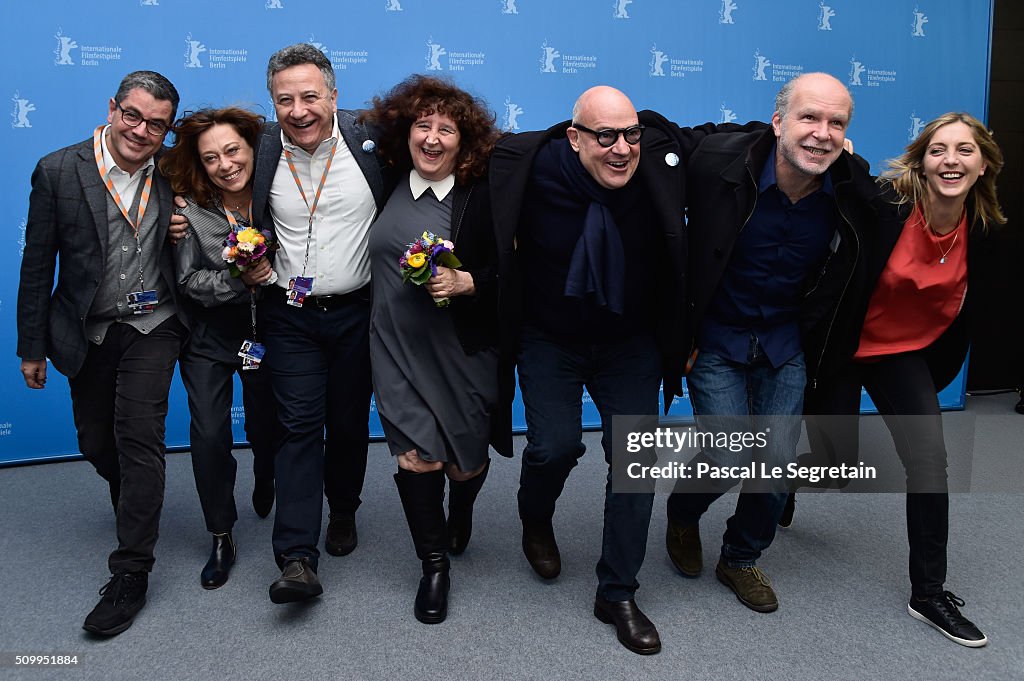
(920, 292)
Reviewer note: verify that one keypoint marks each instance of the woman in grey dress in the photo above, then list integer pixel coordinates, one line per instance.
(211, 165)
(435, 369)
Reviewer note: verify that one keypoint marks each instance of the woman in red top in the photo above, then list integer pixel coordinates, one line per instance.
(905, 337)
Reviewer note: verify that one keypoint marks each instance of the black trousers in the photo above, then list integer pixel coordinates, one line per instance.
(320, 371)
(209, 384)
(903, 391)
(119, 398)
(622, 378)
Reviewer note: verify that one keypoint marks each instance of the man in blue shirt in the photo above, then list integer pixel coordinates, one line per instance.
(769, 213)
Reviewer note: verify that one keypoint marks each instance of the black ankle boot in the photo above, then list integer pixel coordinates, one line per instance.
(263, 495)
(222, 557)
(422, 497)
(461, 497)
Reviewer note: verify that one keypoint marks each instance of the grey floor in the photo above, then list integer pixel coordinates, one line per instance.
(840, 573)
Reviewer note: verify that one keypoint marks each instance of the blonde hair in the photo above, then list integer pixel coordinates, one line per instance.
(906, 173)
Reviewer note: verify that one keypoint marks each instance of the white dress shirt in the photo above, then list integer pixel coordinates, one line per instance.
(339, 260)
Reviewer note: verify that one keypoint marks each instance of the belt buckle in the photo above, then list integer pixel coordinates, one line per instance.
(323, 302)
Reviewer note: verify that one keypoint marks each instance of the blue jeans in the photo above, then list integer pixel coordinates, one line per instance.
(766, 397)
(623, 379)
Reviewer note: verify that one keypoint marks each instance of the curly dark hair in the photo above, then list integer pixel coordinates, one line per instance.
(181, 164)
(393, 115)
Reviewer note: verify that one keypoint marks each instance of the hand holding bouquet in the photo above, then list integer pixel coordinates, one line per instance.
(420, 261)
(244, 247)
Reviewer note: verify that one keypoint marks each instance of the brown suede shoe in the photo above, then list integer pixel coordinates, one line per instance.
(684, 548)
(750, 585)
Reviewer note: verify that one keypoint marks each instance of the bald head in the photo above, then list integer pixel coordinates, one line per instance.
(812, 82)
(601, 98)
(604, 108)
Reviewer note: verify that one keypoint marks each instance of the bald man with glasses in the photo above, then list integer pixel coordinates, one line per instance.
(589, 222)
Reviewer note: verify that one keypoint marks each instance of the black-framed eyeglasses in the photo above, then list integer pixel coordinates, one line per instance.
(607, 137)
(133, 119)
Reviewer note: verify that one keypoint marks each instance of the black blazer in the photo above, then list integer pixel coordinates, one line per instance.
(660, 170)
(67, 219)
(723, 174)
(476, 317)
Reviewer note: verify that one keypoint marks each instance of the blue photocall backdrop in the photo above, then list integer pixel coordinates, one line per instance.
(693, 60)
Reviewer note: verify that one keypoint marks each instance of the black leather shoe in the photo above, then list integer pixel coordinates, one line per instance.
(123, 598)
(263, 496)
(786, 519)
(431, 605)
(341, 538)
(540, 548)
(222, 557)
(632, 627)
(1019, 408)
(298, 582)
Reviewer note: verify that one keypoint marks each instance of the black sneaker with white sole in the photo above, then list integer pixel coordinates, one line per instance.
(942, 611)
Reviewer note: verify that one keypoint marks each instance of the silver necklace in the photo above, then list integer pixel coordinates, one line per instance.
(943, 254)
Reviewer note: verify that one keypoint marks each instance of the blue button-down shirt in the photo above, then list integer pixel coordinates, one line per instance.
(760, 293)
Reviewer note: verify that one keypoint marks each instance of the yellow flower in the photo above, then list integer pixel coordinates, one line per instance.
(248, 236)
(416, 260)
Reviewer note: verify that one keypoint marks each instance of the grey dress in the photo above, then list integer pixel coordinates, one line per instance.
(431, 396)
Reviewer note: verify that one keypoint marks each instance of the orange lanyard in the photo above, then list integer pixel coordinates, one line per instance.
(316, 197)
(231, 217)
(105, 176)
(252, 290)
(101, 165)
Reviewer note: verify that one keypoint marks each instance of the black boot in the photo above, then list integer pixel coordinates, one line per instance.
(263, 495)
(422, 497)
(222, 557)
(461, 496)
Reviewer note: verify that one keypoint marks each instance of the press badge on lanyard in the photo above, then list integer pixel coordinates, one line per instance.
(252, 351)
(300, 287)
(252, 354)
(143, 301)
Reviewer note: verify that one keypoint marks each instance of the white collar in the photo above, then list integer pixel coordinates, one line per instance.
(108, 158)
(335, 135)
(418, 185)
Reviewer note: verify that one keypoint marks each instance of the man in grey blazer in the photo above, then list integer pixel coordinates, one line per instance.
(111, 324)
(319, 185)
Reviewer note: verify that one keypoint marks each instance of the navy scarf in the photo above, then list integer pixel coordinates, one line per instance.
(597, 267)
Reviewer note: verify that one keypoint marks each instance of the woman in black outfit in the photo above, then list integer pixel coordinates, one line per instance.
(435, 369)
(211, 165)
(904, 337)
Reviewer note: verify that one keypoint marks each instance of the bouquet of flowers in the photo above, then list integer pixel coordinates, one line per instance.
(420, 261)
(243, 247)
